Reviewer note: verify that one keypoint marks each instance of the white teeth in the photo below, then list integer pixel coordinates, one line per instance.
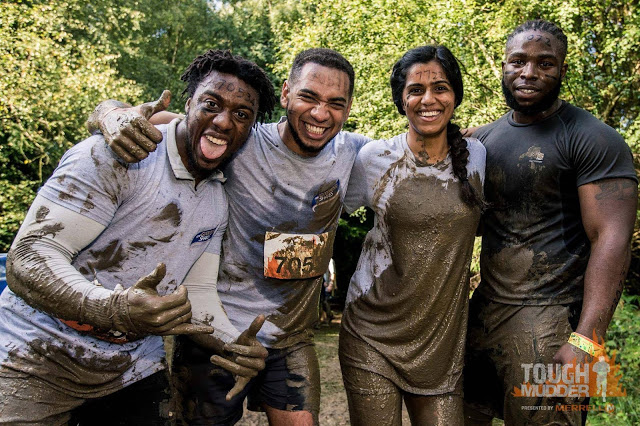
(428, 113)
(314, 129)
(215, 140)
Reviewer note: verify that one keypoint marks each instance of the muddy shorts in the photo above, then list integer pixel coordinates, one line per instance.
(27, 400)
(500, 339)
(376, 400)
(290, 381)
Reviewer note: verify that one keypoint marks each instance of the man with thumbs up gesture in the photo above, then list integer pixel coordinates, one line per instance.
(81, 321)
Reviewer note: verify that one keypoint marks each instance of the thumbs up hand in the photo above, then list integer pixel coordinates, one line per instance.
(126, 129)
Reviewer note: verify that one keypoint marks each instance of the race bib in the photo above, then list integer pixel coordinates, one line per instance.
(296, 256)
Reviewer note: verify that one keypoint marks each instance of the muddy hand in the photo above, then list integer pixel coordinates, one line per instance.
(129, 133)
(150, 313)
(248, 357)
(569, 354)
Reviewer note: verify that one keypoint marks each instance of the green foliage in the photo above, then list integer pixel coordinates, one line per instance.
(604, 56)
(172, 34)
(15, 200)
(56, 65)
(623, 338)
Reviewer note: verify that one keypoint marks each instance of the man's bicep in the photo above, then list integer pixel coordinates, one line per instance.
(608, 205)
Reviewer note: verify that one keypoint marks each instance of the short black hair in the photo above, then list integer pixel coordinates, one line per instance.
(223, 61)
(327, 58)
(423, 55)
(542, 26)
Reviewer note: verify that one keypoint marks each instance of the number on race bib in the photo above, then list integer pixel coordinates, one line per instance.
(296, 256)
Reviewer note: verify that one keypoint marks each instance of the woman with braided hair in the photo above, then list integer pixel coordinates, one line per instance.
(404, 325)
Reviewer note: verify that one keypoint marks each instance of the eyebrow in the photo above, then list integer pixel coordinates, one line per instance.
(219, 98)
(542, 56)
(429, 83)
(314, 94)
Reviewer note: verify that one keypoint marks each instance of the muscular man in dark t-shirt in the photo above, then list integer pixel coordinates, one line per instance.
(555, 244)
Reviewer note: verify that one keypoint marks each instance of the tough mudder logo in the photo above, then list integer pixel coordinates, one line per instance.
(598, 378)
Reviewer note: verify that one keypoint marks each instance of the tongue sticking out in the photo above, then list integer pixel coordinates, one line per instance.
(211, 150)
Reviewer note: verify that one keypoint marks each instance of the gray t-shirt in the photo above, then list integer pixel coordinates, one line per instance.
(152, 213)
(283, 215)
(408, 296)
(534, 247)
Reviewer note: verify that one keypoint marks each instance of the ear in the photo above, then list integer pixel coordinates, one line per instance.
(284, 95)
(349, 107)
(563, 70)
(186, 106)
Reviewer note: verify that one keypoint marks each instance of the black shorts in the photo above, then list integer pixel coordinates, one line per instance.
(290, 381)
(146, 402)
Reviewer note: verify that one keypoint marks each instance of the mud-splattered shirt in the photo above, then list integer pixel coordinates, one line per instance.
(534, 247)
(283, 215)
(152, 212)
(408, 297)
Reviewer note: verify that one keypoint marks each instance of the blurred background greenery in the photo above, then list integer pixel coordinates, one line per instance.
(59, 59)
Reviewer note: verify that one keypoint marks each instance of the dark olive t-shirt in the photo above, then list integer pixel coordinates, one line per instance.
(534, 247)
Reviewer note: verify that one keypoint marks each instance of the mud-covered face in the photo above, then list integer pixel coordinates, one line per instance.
(317, 105)
(219, 117)
(532, 72)
(428, 99)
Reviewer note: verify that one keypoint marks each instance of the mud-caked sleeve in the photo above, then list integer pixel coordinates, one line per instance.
(39, 268)
(89, 180)
(597, 152)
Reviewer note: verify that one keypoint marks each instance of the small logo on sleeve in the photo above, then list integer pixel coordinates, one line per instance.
(203, 236)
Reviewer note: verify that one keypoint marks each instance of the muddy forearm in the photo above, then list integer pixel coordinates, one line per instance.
(56, 291)
(39, 269)
(604, 280)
